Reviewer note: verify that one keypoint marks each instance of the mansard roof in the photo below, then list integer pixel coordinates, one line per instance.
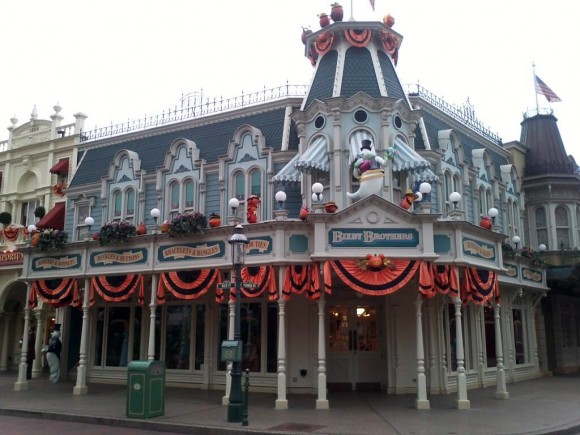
(211, 138)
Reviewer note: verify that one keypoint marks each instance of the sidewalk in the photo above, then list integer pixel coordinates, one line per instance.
(541, 406)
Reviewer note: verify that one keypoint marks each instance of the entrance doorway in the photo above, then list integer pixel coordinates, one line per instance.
(354, 347)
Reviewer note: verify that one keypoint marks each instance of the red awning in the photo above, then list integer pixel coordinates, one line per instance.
(54, 218)
(60, 168)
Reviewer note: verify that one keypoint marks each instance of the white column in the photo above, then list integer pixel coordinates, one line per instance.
(80, 389)
(462, 402)
(231, 314)
(322, 401)
(37, 364)
(4, 353)
(22, 383)
(152, 308)
(501, 392)
(421, 402)
(281, 401)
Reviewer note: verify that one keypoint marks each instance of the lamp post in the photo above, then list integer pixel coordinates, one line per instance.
(89, 222)
(425, 202)
(455, 197)
(317, 189)
(516, 241)
(455, 214)
(280, 213)
(234, 203)
(238, 242)
(155, 213)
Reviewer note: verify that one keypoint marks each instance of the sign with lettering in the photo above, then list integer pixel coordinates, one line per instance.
(257, 246)
(119, 257)
(531, 275)
(512, 270)
(477, 248)
(190, 251)
(11, 258)
(66, 262)
(376, 238)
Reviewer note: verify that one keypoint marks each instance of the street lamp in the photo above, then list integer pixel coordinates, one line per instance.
(455, 197)
(239, 242)
(317, 189)
(542, 248)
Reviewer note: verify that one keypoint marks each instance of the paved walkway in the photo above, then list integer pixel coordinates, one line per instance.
(541, 406)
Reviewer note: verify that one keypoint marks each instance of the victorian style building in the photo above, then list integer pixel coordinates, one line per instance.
(371, 262)
(36, 163)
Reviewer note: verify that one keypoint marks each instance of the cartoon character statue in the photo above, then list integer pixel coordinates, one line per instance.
(369, 169)
(408, 199)
(304, 212)
(53, 353)
(252, 209)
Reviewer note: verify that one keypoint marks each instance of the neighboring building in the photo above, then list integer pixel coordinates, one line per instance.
(552, 186)
(383, 293)
(36, 163)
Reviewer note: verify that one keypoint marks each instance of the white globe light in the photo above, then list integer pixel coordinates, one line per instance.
(455, 197)
(425, 188)
(419, 196)
(542, 247)
(31, 228)
(89, 221)
(155, 213)
(234, 203)
(280, 196)
(492, 212)
(516, 239)
(317, 187)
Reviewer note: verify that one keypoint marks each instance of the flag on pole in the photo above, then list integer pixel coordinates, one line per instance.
(542, 88)
(372, 4)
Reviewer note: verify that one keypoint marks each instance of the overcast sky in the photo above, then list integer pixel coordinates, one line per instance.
(119, 60)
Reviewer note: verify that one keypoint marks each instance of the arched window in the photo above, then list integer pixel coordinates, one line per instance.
(516, 217)
(246, 184)
(562, 227)
(123, 205)
(240, 186)
(256, 183)
(541, 226)
(447, 189)
(482, 201)
(181, 197)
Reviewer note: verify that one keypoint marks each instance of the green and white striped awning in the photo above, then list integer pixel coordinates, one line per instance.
(288, 174)
(425, 175)
(407, 159)
(315, 157)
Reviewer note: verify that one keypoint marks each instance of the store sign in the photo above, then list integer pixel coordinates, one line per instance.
(67, 262)
(531, 275)
(477, 248)
(191, 251)
(117, 257)
(262, 245)
(511, 270)
(11, 258)
(379, 238)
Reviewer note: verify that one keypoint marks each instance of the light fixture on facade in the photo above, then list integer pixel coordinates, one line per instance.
(492, 213)
(155, 213)
(31, 229)
(455, 197)
(425, 190)
(516, 241)
(317, 189)
(542, 247)
(234, 203)
(89, 222)
(281, 198)
(238, 242)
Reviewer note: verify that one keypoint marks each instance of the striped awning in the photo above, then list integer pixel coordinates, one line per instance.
(407, 159)
(315, 157)
(289, 173)
(421, 175)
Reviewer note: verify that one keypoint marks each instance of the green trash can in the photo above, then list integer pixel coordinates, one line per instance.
(145, 389)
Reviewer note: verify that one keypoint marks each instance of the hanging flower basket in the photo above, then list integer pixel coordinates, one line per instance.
(51, 239)
(187, 224)
(116, 232)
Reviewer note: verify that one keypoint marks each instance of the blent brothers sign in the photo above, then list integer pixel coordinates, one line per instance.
(379, 238)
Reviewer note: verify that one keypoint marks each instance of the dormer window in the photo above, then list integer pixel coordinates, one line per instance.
(181, 197)
(123, 205)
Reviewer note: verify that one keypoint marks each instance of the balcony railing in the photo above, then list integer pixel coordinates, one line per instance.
(195, 105)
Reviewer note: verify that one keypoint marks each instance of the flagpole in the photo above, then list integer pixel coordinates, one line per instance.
(535, 88)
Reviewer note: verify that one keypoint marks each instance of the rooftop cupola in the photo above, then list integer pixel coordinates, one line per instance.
(352, 57)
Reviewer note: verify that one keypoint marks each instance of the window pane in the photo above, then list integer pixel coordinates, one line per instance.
(199, 336)
(272, 362)
(239, 186)
(540, 217)
(118, 336)
(188, 186)
(251, 336)
(117, 204)
(137, 334)
(561, 217)
(130, 207)
(256, 183)
(519, 338)
(174, 197)
(82, 213)
(177, 337)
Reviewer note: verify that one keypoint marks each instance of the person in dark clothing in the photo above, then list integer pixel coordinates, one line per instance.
(30, 353)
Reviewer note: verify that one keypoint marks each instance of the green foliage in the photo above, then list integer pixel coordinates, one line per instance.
(51, 239)
(187, 224)
(5, 218)
(116, 232)
(39, 212)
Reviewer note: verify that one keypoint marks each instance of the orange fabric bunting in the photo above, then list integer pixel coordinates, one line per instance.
(117, 288)
(263, 277)
(302, 279)
(374, 282)
(481, 285)
(58, 292)
(186, 285)
(358, 37)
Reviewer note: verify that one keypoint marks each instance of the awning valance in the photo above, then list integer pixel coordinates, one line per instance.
(315, 157)
(60, 168)
(425, 175)
(289, 173)
(54, 218)
(407, 159)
